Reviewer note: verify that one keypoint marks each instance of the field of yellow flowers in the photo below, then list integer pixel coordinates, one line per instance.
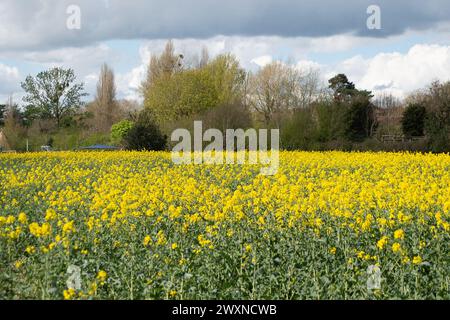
(130, 225)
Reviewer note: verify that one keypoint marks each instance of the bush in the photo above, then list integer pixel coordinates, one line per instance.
(438, 134)
(330, 120)
(299, 133)
(437, 122)
(145, 135)
(120, 130)
(359, 119)
(413, 120)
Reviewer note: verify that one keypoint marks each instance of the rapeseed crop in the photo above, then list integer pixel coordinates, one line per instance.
(133, 225)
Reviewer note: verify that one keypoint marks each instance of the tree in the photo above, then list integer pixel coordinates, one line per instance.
(227, 77)
(272, 91)
(128, 108)
(13, 124)
(390, 112)
(145, 135)
(359, 118)
(309, 88)
(120, 130)
(193, 91)
(329, 117)
(230, 115)
(30, 114)
(164, 65)
(279, 89)
(342, 87)
(387, 101)
(344, 90)
(181, 95)
(2, 114)
(54, 94)
(105, 106)
(300, 131)
(413, 120)
(437, 123)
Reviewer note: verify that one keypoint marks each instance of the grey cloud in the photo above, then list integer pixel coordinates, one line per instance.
(42, 24)
(382, 87)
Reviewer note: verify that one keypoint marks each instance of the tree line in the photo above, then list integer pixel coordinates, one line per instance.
(178, 90)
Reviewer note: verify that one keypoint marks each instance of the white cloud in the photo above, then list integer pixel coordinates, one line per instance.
(9, 79)
(262, 60)
(399, 73)
(128, 84)
(309, 65)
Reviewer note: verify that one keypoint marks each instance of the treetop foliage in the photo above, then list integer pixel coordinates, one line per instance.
(53, 94)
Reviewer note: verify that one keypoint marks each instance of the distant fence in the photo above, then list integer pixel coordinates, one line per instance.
(399, 138)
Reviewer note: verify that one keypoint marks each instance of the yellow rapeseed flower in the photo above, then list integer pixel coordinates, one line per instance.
(69, 294)
(30, 249)
(396, 247)
(147, 240)
(101, 276)
(23, 218)
(399, 234)
(382, 242)
(417, 260)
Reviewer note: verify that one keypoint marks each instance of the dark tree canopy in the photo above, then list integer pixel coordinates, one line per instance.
(344, 90)
(2, 114)
(145, 135)
(53, 94)
(437, 121)
(413, 120)
(341, 86)
(359, 119)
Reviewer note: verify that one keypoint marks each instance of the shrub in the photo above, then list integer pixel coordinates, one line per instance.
(120, 130)
(145, 135)
(413, 120)
(299, 132)
(359, 119)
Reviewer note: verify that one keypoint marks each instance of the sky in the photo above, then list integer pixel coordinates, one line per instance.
(407, 50)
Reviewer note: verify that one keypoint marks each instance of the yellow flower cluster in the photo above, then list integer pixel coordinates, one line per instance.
(40, 231)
